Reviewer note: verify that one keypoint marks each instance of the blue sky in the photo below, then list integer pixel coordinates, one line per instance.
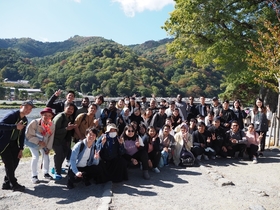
(124, 21)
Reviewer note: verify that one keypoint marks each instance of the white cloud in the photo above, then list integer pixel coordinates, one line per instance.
(130, 7)
(78, 1)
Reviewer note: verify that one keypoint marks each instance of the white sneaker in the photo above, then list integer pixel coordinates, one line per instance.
(35, 180)
(156, 170)
(205, 157)
(255, 161)
(198, 157)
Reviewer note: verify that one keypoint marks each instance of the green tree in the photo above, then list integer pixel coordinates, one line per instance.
(217, 32)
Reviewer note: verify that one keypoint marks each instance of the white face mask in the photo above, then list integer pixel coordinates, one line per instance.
(113, 134)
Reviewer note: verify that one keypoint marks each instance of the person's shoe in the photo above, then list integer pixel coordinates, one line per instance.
(6, 186)
(156, 170)
(18, 187)
(205, 157)
(35, 180)
(47, 176)
(255, 161)
(198, 157)
(260, 154)
(146, 174)
(70, 185)
(63, 171)
(57, 177)
(53, 171)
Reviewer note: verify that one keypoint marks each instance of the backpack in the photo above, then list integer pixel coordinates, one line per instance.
(187, 158)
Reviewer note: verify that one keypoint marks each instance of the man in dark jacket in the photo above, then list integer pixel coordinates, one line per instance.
(12, 133)
(59, 106)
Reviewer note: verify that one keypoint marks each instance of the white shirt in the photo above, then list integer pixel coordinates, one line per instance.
(83, 161)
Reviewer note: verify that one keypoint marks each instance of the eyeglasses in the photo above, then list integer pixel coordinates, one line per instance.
(130, 131)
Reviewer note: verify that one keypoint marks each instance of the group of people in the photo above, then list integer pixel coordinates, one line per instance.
(127, 133)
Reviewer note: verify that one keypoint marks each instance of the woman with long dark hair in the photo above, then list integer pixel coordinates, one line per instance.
(134, 149)
(260, 122)
(239, 113)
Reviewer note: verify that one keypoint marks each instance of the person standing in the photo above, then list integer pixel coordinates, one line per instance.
(39, 138)
(62, 137)
(60, 105)
(84, 109)
(12, 134)
(182, 106)
(260, 122)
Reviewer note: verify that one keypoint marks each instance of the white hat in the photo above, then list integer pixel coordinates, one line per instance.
(110, 126)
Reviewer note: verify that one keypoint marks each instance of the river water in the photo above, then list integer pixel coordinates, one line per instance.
(33, 115)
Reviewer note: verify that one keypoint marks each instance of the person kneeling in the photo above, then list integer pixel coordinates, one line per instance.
(84, 161)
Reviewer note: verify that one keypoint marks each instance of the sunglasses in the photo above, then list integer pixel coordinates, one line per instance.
(130, 131)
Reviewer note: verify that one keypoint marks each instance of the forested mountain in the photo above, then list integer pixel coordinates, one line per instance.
(95, 65)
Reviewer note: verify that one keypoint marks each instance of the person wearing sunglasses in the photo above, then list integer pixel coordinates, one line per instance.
(134, 149)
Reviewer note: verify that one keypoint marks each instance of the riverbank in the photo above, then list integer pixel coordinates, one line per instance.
(4, 104)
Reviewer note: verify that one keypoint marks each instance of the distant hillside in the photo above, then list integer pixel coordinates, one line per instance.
(95, 65)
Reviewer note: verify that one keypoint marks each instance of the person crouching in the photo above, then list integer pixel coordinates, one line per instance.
(84, 161)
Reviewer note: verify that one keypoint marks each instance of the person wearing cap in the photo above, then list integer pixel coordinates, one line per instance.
(159, 118)
(111, 150)
(85, 161)
(39, 138)
(12, 134)
(216, 107)
(218, 137)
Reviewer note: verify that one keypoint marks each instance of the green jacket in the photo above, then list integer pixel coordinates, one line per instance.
(62, 135)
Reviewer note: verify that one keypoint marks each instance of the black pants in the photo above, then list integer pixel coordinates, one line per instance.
(61, 152)
(252, 150)
(11, 160)
(237, 148)
(96, 172)
(140, 156)
(155, 156)
(116, 169)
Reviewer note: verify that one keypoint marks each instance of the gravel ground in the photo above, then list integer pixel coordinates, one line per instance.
(51, 194)
(216, 184)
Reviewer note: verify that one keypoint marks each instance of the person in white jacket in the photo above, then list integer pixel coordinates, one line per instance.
(39, 138)
(183, 143)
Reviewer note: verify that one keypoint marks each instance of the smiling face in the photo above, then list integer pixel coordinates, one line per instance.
(152, 132)
(25, 109)
(70, 97)
(91, 137)
(129, 131)
(46, 117)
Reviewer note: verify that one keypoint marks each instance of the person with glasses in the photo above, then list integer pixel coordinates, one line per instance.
(134, 150)
(111, 148)
(236, 140)
(253, 142)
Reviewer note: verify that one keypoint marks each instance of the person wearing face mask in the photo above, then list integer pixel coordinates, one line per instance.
(111, 150)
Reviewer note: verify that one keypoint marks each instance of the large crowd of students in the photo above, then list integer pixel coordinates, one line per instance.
(129, 133)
